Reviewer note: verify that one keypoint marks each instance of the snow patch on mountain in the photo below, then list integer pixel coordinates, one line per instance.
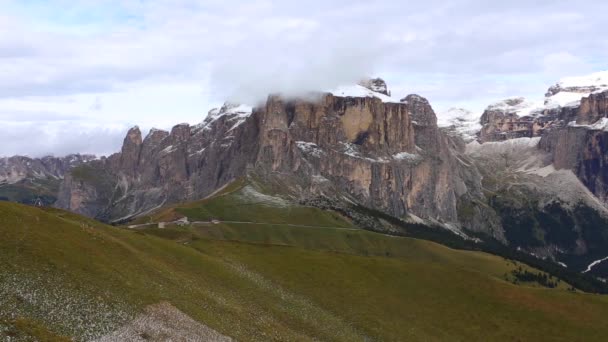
(310, 148)
(595, 263)
(234, 112)
(169, 149)
(250, 194)
(540, 171)
(407, 156)
(570, 90)
(498, 147)
(600, 125)
(564, 99)
(598, 79)
(517, 105)
(360, 91)
(459, 121)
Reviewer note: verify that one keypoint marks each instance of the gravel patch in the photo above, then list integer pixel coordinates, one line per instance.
(164, 322)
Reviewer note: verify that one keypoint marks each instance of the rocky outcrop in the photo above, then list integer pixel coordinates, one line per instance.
(388, 156)
(578, 142)
(377, 85)
(584, 151)
(460, 123)
(510, 119)
(573, 134)
(592, 108)
(35, 180)
(543, 168)
(592, 168)
(580, 99)
(18, 168)
(185, 164)
(583, 85)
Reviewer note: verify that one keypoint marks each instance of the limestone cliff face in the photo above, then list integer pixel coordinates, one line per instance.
(592, 168)
(188, 163)
(574, 134)
(581, 145)
(592, 108)
(514, 118)
(386, 155)
(381, 152)
(562, 173)
(584, 151)
(569, 100)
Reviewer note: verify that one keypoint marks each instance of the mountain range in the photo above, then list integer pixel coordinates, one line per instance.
(529, 174)
(525, 180)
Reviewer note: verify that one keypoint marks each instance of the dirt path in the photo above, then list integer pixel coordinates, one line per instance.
(283, 224)
(135, 226)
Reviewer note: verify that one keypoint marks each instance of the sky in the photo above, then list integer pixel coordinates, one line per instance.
(75, 75)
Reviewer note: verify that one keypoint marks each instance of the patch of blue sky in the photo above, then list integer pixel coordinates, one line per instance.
(77, 17)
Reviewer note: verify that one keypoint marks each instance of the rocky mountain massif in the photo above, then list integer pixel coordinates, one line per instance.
(354, 143)
(530, 178)
(572, 123)
(544, 171)
(35, 180)
(573, 100)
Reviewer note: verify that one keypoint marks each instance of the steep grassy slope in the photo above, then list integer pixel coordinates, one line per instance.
(243, 202)
(64, 275)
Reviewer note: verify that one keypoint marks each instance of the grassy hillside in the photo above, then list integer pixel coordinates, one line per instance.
(241, 201)
(245, 202)
(65, 275)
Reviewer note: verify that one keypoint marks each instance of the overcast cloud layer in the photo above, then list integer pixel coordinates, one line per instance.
(74, 75)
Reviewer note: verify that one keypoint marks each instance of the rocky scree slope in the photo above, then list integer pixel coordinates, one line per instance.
(572, 123)
(543, 167)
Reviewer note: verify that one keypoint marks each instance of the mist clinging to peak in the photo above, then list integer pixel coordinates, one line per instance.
(318, 61)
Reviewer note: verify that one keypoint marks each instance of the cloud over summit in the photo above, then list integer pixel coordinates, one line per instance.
(154, 63)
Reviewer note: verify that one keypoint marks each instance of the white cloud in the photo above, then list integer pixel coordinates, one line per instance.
(59, 138)
(112, 64)
(566, 64)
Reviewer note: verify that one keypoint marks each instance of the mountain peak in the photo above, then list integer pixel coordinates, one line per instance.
(461, 122)
(514, 106)
(569, 91)
(377, 85)
(362, 91)
(133, 136)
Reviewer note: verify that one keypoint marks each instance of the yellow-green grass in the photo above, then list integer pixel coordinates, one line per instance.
(394, 299)
(234, 204)
(345, 240)
(253, 290)
(132, 270)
